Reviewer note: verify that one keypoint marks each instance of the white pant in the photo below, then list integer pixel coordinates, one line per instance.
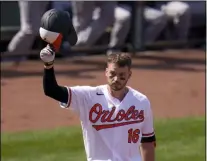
(179, 15)
(156, 21)
(88, 28)
(30, 16)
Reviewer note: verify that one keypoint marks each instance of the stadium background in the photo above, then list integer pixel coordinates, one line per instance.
(172, 76)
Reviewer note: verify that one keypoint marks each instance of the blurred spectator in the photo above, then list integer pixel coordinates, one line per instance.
(155, 23)
(121, 25)
(91, 19)
(171, 17)
(178, 15)
(30, 16)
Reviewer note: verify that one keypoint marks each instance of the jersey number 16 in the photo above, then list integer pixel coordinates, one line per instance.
(133, 135)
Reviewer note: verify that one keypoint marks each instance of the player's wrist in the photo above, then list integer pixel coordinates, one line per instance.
(48, 66)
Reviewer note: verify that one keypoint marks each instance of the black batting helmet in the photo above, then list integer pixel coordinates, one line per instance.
(56, 25)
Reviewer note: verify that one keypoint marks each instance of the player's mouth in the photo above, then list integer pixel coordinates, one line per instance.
(116, 84)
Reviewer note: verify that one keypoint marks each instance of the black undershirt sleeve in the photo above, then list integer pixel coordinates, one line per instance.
(148, 139)
(52, 89)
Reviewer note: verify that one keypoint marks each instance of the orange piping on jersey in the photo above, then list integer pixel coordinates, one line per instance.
(70, 97)
(106, 126)
(149, 134)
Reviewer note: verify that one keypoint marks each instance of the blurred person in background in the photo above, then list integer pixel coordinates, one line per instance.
(155, 21)
(172, 18)
(91, 19)
(178, 16)
(121, 26)
(30, 17)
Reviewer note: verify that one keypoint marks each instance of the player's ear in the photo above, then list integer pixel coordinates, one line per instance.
(106, 71)
(130, 73)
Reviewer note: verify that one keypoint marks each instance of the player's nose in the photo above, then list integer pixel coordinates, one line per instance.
(116, 79)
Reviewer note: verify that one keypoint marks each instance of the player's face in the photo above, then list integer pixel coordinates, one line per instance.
(117, 77)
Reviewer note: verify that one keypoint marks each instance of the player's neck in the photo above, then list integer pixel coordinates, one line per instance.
(118, 94)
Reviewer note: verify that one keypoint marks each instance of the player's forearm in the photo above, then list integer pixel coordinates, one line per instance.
(51, 88)
(147, 151)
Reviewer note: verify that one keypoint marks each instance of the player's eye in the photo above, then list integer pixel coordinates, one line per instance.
(121, 75)
(112, 73)
(122, 78)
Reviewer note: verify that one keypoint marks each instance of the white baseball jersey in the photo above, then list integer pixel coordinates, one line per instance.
(112, 130)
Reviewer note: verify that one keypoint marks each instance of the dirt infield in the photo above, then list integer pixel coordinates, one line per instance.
(174, 81)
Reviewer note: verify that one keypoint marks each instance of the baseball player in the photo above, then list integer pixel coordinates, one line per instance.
(30, 16)
(90, 25)
(117, 120)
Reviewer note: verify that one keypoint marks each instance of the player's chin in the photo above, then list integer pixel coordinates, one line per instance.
(117, 87)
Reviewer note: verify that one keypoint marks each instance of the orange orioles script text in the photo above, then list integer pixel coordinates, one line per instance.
(131, 116)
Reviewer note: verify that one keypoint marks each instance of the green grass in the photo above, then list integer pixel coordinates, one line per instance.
(177, 140)
(181, 140)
